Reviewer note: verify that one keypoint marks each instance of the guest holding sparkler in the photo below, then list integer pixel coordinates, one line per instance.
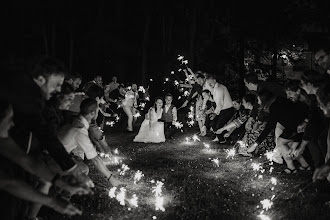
(152, 130)
(224, 106)
(235, 129)
(76, 140)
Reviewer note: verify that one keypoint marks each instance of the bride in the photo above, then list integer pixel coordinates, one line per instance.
(151, 130)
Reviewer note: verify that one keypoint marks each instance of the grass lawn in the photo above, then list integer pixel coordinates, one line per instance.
(195, 187)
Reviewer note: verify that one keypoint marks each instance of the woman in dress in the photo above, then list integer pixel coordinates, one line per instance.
(152, 130)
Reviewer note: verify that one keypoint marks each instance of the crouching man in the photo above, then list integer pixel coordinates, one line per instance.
(76, 141)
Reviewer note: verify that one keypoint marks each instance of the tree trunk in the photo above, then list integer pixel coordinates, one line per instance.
(145, 47)
(193, 25)
(241, 66)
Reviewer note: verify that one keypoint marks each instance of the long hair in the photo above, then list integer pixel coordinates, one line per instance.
(157, 98)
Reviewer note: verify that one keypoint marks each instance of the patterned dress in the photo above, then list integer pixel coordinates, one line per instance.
(251, 135)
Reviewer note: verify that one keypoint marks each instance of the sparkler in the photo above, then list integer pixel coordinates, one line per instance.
(134, 200)
(157, 190)
(176, 82)
(187, 139)
(116, 151)
(123, 169)
(231, 153)
(256, 166)
(195, 138)
(142, 105)
(178, 124)
(121, 196)
(264, 217)
(142, 89)
(112, 192)
(138, 175)
(136, 115)
(111, 123)
(186, 93)
(172, 72)
(216, 161)
(207, 146)
(273, 181)
(266, 204)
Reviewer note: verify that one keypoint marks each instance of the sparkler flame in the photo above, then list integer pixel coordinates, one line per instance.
(231, 153)
(136, 115)
(180, 57)
(216, 161)
(138, 175)
(186, 93)
(273, 180)
(142, 89)
(121, 196)
(116, 151)
(176, 82)
(134, 200)
(178, 124)
(264, 217)
(256, 166)
(123, 169)
(112, 192)
(157, 190)
(266, 204)
(269, 155)
(207, 146)
(195, 138)
(111, 123)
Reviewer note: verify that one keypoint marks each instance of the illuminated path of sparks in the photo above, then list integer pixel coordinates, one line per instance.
(193, 178)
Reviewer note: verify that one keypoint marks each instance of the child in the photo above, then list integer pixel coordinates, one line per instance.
(169, 116)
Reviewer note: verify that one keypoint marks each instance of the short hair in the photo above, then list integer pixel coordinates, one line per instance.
(251, 78)
(73, 76)
(293, 85)
(323, 93)
(87, 106)
(265, 96)
(250, 98)
(207, 91)
(66, 89)
(200, 75)
(209, 76)
(313, 77)
(48, 66)
(95, 91)
(4, 107)
(169, 95)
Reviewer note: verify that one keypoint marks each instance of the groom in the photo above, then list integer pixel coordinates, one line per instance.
(169, 116)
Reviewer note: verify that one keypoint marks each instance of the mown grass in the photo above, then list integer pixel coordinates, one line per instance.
(196, 188)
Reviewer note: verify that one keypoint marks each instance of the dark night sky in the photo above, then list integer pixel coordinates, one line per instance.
(108, 37)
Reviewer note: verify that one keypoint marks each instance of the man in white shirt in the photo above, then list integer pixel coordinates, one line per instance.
(76, 139)
(224, 110)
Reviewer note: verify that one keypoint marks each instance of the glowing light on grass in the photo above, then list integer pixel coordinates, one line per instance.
(186, 93)
(256, 166)
(134, 200)
(121, 196)
(273, 181)
(138, 175)
(115, 160)
(231, 153)
(123, 169)
(172, 72)
(195, 138)
(112, 192)
(157, 190)
(216, 161)
(266, 204)
(176, 82)
(187, 139)
(207, 146)
(264, 217)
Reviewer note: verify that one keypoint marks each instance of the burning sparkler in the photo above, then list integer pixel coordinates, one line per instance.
(231, 153)
(195, 138)
(123, 169)
(134, 200)
(216, 161)
(116, 151)
(207, 146)
(266, 204)
(256, 166)
(121, 196)
(157, 190)
(136, 115)
(138, 175)
(111, 123)
(273, 181)
(178, 124)
(142, 89)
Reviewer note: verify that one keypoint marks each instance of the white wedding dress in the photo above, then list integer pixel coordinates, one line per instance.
(153, 134)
